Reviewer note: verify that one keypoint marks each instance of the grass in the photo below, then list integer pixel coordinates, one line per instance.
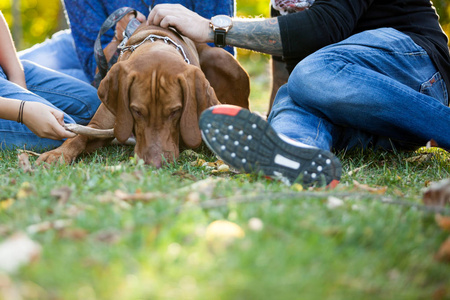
(163, 249)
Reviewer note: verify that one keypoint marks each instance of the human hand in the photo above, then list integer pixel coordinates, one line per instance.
(45, 121)
(122, 24)
(185, 21)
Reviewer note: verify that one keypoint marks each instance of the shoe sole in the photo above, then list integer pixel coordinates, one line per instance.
(248, 143)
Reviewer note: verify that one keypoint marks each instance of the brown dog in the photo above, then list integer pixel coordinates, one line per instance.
(153, 92)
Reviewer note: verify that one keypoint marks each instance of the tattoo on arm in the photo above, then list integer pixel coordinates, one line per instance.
(259, 35)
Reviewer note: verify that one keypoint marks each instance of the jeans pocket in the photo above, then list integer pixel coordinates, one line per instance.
(435, 87)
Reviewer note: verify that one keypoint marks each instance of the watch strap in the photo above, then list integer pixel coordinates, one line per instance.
(219, 37)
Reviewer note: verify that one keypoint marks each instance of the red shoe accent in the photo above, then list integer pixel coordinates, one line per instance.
(229, 110)
(333, 184)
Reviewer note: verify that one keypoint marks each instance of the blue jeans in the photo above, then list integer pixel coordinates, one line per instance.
(78, 100)
(57, 53)
(375, 89)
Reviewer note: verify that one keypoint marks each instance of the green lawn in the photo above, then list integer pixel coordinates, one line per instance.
(295, 244)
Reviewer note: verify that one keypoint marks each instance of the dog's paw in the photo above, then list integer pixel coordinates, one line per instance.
(54, 157)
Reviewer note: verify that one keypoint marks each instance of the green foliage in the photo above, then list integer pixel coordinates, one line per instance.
(32, 21)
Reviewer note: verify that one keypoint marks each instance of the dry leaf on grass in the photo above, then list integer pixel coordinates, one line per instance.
(24, 163)
(374, 190)
(438, 193)
(62, 194)
(203, 187)
(420, 158)
(354, 171)
(18, 250)
(26, 189)
(48, 225)
(443, 222)
(145, 197)
(5, 204)
(8, 289)
(443, 254)
(221, 233)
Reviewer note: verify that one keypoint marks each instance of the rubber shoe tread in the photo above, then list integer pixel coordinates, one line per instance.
(249, 144)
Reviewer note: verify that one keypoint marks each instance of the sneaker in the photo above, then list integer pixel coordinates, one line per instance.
(248, 143)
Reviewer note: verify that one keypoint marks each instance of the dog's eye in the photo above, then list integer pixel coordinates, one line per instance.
(137, 112)
(175, 113)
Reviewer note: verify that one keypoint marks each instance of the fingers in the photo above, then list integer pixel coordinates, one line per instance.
(162, 11)
(140, 17)
(58, 130)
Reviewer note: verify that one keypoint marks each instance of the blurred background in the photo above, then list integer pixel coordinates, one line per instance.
(32, 21)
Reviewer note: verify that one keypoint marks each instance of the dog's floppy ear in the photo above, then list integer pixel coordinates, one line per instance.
(198, 95)
(114, 94)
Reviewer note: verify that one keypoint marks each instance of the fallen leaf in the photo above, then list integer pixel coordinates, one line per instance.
(32, 153)
(443, 254)
(203, 187)
(8, 289)
(255, 224)
(26, 189)
(223, 232)
(443, 222)
(375, 190)
(354, 171)
(73, 233)
(62, 194)
(432, 143)
(18, 250)
(109, 236)
(438, 193)
(48, 225)
(5, 204)
(420, 158)
(24, 163)
(334, 202)
(297, 187)
(145, 197)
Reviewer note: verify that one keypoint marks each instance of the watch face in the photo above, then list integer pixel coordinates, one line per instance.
(221, 21)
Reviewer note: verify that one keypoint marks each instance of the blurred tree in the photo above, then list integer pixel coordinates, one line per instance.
(38, 19)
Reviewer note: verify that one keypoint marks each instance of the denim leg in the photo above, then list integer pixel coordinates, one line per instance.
(375, 86)
(77, 99)
(57, 53)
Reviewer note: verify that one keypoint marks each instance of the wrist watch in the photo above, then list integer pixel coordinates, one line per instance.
(220, 24)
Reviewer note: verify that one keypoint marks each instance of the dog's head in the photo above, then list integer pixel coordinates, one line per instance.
(157, 96)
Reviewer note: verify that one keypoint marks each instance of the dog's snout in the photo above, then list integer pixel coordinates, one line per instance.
(157, 160)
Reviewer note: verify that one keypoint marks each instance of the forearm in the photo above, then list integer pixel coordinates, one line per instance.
(9, 108)
(262, 35)
(9, 60)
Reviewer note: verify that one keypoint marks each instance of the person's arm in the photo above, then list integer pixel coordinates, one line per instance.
(297, 34)
(9, 61)
(42, 120)
(262, 35)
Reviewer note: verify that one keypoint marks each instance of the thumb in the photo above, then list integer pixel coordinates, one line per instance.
(59, 116)
(60, 130)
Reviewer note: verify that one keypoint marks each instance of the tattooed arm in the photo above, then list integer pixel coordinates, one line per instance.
(262, 35)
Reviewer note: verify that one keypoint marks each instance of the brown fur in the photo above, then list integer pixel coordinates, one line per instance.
(156, 95)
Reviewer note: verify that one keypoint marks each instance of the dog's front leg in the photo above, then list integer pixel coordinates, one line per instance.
(72, 147)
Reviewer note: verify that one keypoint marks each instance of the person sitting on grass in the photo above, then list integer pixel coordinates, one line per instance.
(36, 102)
(366, 73)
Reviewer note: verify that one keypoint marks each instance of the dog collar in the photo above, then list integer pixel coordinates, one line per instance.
(152, 38)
